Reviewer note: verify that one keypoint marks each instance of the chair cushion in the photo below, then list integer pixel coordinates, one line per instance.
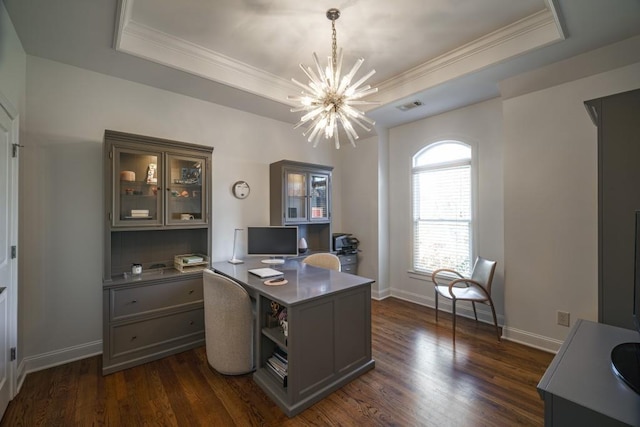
(468, 294)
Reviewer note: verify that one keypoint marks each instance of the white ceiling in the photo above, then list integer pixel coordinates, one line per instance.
(242, 53)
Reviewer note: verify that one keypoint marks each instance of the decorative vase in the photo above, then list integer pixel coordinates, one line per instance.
(302, 245)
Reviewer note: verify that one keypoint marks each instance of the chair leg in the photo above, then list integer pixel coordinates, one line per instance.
(495, 320)
(453, 305)
(436, 305)
(475, 313)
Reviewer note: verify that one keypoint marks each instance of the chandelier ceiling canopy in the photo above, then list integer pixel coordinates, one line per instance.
(328, 99)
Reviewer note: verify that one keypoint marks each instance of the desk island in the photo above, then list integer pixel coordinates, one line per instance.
(329, 330)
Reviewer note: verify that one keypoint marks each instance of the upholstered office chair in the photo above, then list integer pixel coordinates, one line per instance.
(324, 260)
(228, 318)
(474, 289)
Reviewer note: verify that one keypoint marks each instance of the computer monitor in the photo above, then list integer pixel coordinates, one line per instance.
(274, 242)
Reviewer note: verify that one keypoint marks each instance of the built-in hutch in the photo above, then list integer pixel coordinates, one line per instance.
(616, 117)
(157, 241)
(301, 195)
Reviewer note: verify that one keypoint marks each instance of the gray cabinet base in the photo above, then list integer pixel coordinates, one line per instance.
(275, 391)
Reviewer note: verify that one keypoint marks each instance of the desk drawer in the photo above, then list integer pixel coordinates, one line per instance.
(145, 335)
(126, 302)
(349, 268)
(348, 259)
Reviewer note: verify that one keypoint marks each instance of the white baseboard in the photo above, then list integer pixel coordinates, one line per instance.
(529, 339)
(57, 357)
(462, 309)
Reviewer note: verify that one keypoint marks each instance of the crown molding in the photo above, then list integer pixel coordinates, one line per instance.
(532, 32)
(148, 43)
(535, 31)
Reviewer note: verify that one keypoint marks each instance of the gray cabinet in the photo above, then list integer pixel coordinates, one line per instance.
(618, 178)
(580, 388)
(300, 195)
(349, 263)
(157, 207)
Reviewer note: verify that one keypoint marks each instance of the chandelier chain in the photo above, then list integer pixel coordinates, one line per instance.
(334, 43)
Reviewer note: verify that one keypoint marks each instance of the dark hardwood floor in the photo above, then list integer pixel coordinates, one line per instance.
(420, 379)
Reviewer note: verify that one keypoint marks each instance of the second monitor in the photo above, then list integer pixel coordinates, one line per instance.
(275, 242)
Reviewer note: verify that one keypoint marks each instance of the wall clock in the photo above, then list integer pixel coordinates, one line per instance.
(241, 189)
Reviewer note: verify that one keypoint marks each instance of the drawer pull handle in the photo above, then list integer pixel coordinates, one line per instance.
(133, 338)
(133, 301)
(190, 291)
(192, 322)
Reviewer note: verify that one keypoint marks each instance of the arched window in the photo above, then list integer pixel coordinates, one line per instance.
(443, 207)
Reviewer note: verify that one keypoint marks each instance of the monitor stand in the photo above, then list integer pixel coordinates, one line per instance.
(273, 261)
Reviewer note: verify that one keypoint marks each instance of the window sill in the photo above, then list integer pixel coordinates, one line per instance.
(426, 276)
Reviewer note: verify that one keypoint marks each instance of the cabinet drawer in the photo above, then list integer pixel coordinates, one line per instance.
(349, 268)
(126, 302)
(348, 259)
(146, 334)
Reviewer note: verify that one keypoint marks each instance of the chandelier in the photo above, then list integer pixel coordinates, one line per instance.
(329, 100)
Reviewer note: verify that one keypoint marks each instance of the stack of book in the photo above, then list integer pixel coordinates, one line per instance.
(192, 259)
(277, 364)
(139, 213)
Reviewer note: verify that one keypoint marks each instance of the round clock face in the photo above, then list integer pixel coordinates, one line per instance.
(241, 189)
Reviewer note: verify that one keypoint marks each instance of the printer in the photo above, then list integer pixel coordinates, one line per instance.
(345, 244)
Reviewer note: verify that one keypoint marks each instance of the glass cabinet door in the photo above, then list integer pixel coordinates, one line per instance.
(296, 197)
(137, 199)
(185, 190)
(319, 197)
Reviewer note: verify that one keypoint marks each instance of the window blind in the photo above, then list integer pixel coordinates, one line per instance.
(442, 218)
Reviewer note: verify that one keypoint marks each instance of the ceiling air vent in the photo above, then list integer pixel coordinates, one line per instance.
(409, 106)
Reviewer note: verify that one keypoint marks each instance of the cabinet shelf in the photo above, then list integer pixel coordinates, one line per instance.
(276, 335)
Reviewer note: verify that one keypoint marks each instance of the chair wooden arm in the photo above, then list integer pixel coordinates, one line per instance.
(469, 282)
(444, 270)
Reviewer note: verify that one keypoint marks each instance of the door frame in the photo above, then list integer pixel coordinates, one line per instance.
(12, 291)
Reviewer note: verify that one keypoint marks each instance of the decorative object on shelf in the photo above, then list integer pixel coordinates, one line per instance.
(302, 245)
(280, 313)
(240, 189)
(136, 269)
(328, 99)
(151, 174)
(189, 175)
(186, 217)
(127, 176)
(190, 262)
(233, 259)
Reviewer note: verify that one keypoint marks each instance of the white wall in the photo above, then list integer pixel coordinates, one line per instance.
(551, 209)
(13, 63)
(61, 233)
(481, 126)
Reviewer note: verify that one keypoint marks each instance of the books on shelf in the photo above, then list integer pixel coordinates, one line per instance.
(139, 213)
(192, 259)
(277, 364)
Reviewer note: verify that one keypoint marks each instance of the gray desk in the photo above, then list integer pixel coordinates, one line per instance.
(329, 334)
(580, 388)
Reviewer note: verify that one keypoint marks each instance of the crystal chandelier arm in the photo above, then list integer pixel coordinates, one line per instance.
(315, 135)
(347, 78)
(351, 133)
(312, 76)
(303, 86)
(354, 87)
(320, 70)
(363, 93)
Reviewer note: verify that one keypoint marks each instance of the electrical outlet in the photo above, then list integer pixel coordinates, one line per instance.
(563, 318)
